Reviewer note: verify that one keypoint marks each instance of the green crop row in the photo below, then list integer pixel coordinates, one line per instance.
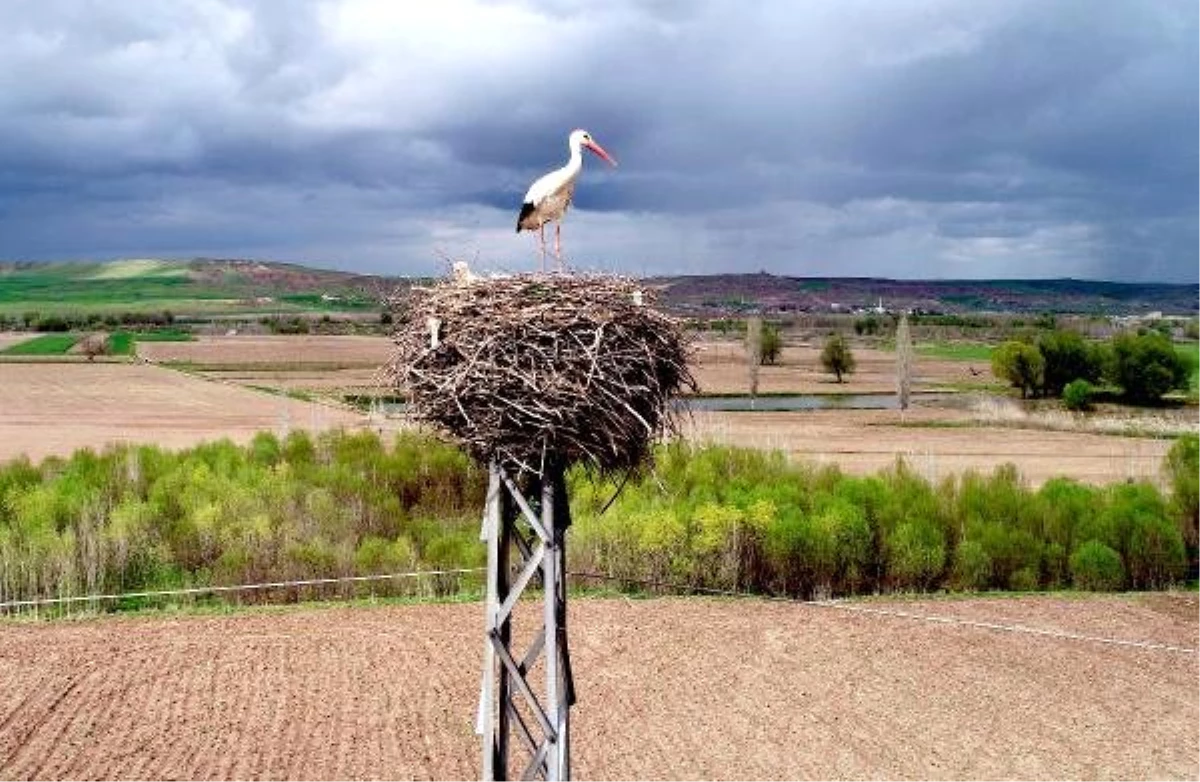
(44, 345)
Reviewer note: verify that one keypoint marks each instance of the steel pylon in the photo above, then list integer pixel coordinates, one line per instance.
(525, 529)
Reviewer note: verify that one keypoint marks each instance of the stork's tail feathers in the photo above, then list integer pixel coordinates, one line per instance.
(527, 209)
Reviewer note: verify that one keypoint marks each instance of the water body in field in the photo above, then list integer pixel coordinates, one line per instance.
(791, 402)
(745, 403)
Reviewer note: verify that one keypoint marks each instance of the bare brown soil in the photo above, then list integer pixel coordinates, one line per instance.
(668, 688)
(936, 442)
(54, 408)
(9, 338)
(722, 368)
(338, 381)
(292, 350)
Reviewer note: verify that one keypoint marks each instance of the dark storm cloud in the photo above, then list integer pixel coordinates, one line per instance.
(916, 138)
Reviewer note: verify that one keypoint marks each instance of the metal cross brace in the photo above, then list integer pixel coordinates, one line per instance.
(508, 690)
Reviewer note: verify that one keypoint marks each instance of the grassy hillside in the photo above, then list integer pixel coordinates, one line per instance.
(182, 287)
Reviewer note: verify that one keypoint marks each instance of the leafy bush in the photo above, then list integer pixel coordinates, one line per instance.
(771, 344)
(1066, 505)
(916, 553)
(134, 518)
(1147, 366)
(1156, 557)
(1183, 470)
(1010, 550)
(972, 566)
(1077, 395)
(1067, 357)
(1097, 567)
(52, 323)
(870, 325)
(836, 357)
(1021, 364)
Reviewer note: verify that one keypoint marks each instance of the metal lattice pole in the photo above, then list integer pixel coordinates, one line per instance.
(511, 702)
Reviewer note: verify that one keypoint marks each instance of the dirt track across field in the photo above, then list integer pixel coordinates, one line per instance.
(668, 688)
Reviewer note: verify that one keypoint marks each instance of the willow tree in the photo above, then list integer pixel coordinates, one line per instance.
(836, 357)
(754, 332)
(904, 362)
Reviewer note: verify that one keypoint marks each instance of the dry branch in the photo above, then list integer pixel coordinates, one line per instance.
(531, 369)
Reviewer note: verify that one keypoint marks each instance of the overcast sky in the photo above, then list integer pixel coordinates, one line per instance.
(906, 138)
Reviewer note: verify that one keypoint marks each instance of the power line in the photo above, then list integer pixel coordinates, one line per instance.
(236, 587)
(677, 587)
(899, 614)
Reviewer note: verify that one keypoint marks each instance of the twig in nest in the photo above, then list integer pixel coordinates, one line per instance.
(579, 368)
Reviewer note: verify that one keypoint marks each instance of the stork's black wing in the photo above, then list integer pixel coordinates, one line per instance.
(527, 209)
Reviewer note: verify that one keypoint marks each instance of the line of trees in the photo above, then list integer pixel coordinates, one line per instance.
(1144, 366)
(135, 518)
(34, 320)
(738, 519)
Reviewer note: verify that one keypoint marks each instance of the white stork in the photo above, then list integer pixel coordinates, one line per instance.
(549, 197)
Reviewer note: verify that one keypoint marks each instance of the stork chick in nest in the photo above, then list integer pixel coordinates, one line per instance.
(461, 273)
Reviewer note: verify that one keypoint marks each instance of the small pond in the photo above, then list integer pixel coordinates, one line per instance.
(744, 403)
(790, 402)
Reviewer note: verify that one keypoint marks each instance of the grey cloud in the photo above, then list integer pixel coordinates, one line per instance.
(981, 139)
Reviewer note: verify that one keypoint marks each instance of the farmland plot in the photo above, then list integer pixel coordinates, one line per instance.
(53, 409)
(721, 368)
(936, 442)
(278, 351)
(668, 688)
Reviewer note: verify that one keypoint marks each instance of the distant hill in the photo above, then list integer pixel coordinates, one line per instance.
(732, 293)
(201, 286)
(238, 286)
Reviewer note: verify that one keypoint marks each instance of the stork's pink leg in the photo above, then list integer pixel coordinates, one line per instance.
(558, 244)
(542, 243)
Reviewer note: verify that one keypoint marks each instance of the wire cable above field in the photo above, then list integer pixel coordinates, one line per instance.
(899, 614)
(235, 588)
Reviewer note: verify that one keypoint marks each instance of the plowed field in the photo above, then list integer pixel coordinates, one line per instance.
(722, 368)
(668, 688)
(53, 409)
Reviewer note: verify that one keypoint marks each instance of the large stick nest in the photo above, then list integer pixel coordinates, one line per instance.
(534, 369)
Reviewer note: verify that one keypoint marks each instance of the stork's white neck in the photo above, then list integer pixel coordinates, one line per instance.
(575, 163)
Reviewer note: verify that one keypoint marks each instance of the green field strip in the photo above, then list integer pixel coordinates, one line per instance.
(956, 351)
(43, 345)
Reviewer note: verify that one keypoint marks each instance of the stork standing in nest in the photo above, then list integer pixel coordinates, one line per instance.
(549, 197)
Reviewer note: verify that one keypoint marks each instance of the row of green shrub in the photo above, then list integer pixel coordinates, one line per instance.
(83, 321)
(136, 518)
(748, 520)
(1143, 366)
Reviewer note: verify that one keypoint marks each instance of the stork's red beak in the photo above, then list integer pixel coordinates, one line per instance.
(599, 150)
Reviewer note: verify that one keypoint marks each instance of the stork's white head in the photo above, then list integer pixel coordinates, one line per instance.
(582, 139)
